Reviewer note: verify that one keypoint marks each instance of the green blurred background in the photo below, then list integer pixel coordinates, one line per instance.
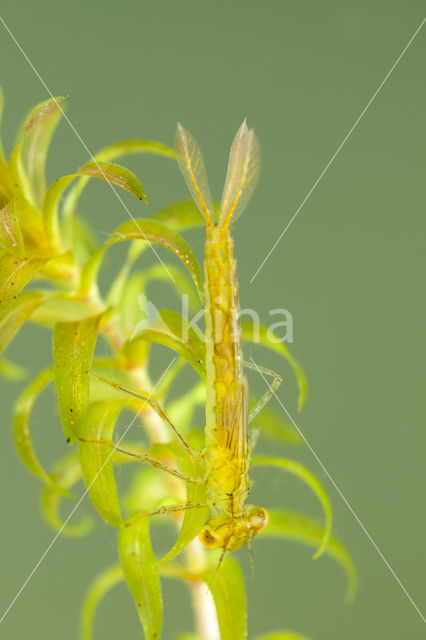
(350, 269)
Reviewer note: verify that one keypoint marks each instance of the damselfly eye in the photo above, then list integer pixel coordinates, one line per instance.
(258, 519)
(208, 540)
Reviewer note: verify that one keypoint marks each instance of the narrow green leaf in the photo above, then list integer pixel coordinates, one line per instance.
(268, 339)
(32, 227)
(50, 210)
(132, 146)
(64, 475)
(88, 287)
(59, 308)
(276, 426)
(96, 459)
(19, 311)
(83, 239)
(21, 423)
(181, 409)
(15, 273)
(113, 298)
(153, 231)
(180, 216)
(6, 187)
(28, 159)
(150, 489)
(138, 562)
(293, 526)
(228, 591)
(281, 635)
(109, 153)
(99, 588)
(193, 519)
(172, 330)
(150, 232)
(304, 474)
(11, 371)
(133, 289)
(73, 347)
(181, 284)
(115, 174)
(11, 238)
(63, 269)
(1, 115)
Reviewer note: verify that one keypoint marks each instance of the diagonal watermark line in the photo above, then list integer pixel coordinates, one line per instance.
(80, 500)
(117, 195)
(300, 432)
(339, 148)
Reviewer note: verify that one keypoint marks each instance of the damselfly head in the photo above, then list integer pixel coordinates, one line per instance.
(228, 532)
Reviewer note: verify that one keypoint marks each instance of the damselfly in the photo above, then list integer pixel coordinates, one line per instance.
(226, 457)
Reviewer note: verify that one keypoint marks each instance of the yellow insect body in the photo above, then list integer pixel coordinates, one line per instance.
(228, 452)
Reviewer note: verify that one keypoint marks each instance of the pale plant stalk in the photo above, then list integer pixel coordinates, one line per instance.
(207, 626)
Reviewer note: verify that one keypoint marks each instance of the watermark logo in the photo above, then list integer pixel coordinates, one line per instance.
(278, 327)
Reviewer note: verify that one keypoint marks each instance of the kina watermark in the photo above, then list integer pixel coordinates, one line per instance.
(279, 326)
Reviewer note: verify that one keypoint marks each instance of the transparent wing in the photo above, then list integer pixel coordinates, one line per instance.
(234, 436)
(192, 167)
(242, 175)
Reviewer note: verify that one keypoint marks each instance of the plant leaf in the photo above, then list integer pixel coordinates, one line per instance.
(181, 409)
(97, 459)
(6, 187)
(180, 216)
(138, 562)
(64, 475)
(51, 210)
(73, 347)
(304, 474)
(281, 635)
(21, 423)
(173, 331)
(28, 159)
(229, 596)
(112, 152)
(32, 227)
(196, 494)
(132, 146)
(11, 238)
(153, 231)
(1, 114)
(132, 300)
(293, 526)
(19, 311)
(115, 174)
(112, 173)
(268, 339)
(15, 273)
(276, 426)
(59, 308)
(228, 591)
(11, 371)
(98, 589)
